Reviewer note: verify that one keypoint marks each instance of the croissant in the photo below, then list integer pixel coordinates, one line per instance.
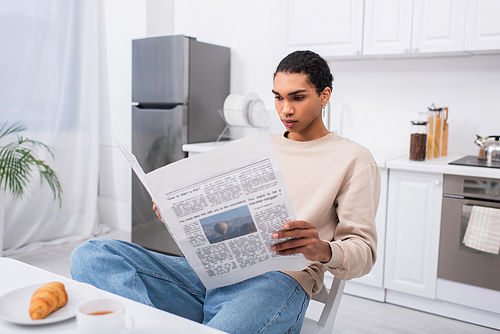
(47, 299)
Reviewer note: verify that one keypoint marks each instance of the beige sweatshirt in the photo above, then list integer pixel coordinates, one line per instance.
(334, 183)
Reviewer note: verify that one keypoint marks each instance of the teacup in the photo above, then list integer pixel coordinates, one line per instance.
(103, 316)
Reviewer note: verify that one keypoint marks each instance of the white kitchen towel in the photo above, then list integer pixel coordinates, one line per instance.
(483, 230)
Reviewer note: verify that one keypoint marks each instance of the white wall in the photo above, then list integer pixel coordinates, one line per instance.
(119, 23)
(159, 17)
(374, 100)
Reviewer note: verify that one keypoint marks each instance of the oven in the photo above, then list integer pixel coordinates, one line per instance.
(457, 262)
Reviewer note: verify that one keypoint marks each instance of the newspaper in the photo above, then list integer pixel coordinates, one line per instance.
(222, 207)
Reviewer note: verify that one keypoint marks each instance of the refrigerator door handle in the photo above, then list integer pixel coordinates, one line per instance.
(155, 105)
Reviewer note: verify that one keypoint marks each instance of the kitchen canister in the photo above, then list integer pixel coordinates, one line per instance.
(436, 121)
(418, 140)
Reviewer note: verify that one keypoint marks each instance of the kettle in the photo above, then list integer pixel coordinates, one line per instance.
(489, 148)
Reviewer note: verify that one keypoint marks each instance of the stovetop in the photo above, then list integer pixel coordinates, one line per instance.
(471, 160)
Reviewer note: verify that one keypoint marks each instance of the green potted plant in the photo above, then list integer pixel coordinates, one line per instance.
(18, 162)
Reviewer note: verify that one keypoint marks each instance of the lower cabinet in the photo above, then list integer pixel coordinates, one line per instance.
(413, 227)
(406, 273)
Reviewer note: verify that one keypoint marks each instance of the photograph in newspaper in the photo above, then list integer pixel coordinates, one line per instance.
(222, 207)
(229, 224)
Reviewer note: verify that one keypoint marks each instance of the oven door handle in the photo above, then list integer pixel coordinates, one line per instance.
(453, 196)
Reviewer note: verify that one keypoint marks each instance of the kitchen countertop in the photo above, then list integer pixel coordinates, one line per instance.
(389, 160)
(440, 165)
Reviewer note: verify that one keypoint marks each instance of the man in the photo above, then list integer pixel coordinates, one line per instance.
(334, 185)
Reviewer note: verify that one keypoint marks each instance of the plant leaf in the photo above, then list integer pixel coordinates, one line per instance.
(14, 128)
(17, 163)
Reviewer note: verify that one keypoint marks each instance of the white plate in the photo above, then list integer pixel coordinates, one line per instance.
(254, 108)
(238, 112)
(229, 106)
(14, 305)
(243, 108)
(259, 116)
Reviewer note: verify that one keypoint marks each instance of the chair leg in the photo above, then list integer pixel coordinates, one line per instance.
(327, 318)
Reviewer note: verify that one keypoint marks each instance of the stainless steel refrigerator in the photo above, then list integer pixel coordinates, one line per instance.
(178, 86)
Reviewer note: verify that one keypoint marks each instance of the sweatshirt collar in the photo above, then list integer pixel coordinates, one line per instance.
(305, 144)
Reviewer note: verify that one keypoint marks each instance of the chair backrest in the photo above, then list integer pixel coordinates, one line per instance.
(331, 300)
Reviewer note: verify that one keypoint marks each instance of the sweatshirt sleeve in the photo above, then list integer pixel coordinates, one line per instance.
(354, 245)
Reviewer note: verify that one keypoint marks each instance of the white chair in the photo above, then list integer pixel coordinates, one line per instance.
(331, 300)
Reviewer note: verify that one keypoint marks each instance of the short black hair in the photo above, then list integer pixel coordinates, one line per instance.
(312, 65)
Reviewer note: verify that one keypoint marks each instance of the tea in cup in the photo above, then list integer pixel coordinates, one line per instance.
(103, 316)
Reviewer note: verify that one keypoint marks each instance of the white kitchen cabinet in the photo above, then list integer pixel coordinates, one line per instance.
(395, 27)
(387, 28)
(330, 28)
(438, 26)
(482, 25)
(413, 227)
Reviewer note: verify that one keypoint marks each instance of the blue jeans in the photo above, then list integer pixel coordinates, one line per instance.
(270, 303)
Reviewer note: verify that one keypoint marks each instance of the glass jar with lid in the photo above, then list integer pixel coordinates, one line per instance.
(436, 130)
(418, 140)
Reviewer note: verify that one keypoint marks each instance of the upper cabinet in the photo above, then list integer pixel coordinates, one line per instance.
(413, 26)
(332, 28)
(438, 26)
(385, 28)
(483, 25)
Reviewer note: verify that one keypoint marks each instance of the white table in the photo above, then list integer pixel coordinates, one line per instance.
(15, 274)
